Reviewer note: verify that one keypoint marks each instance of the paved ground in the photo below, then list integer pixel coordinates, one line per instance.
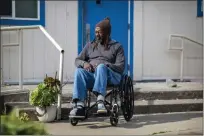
(143, 87)
(156, 124)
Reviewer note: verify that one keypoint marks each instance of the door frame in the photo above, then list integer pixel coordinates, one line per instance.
(130, 32)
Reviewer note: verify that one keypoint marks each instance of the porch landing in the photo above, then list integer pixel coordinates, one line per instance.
(138, 87)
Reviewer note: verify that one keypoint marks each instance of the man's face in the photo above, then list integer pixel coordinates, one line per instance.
(99, 34)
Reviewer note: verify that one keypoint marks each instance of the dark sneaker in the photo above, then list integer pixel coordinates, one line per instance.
(77, 112)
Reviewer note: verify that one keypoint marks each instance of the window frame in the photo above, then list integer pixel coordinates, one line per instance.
(199, 8)
(12, 20)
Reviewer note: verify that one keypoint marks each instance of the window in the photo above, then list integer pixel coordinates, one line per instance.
(6, 8)
(29, 5)
(23, 12)
(199, 8)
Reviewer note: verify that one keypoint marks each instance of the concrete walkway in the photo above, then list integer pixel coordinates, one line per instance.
(142, 87)
(155, 124)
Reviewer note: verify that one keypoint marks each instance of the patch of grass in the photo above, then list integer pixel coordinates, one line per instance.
(13, 125)
(24, 117)
(160, 132)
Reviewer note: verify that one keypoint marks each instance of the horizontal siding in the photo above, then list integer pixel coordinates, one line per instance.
(40, 57)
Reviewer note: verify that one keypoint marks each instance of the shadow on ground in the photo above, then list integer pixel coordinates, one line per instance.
(139, 121)
(136, 121)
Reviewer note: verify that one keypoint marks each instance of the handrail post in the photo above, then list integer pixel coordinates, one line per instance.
(169, 43)
(182, 50)
(1, 60)
(182, 59)
(61, 81)
(20, 39)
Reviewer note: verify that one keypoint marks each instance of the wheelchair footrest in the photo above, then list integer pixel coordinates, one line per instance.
(101, 114)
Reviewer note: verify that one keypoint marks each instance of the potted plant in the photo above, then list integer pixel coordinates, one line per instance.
(44, 98)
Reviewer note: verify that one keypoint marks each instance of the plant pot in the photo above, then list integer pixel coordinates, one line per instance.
(47, 114)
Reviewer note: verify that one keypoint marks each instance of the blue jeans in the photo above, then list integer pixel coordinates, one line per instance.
(98, 80)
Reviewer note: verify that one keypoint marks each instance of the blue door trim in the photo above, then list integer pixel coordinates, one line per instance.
(80, 24)
(131, 37)
(80, 31)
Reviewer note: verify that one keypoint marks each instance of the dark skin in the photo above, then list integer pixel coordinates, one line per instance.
(99, 37)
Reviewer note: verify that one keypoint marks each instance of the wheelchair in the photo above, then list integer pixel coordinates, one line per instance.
(121, 100)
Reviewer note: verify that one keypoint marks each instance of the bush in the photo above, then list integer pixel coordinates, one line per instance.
(12, 125)
(46, 93)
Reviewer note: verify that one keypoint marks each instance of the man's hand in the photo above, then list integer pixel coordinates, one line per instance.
(88, 67)
(95, 66)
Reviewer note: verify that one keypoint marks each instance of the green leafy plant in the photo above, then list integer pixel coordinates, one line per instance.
(46, 93)
(24, 117)
(12, 125)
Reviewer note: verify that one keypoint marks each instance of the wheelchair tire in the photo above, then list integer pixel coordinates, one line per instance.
(127, 97)
(114, 119)
(74, 121)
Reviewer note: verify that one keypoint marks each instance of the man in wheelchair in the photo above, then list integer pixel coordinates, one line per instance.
(100, 63)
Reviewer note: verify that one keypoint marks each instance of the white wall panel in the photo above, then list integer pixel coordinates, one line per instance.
(40, 56)
(153, 22)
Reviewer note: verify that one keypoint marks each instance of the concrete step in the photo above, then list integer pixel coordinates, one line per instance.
(141, 107)
(16, 96)
(149, 98)
(23, 96)
(1, 105)
(143, 91)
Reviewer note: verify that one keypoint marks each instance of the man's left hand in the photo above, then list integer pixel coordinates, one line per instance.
(95, 66)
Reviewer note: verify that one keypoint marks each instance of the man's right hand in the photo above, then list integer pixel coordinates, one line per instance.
(88, 67)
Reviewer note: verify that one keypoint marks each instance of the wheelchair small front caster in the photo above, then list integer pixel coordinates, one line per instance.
(74, 121)
(114, 115)
(114, 119)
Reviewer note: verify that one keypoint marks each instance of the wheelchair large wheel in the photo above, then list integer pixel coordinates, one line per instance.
(127, 97)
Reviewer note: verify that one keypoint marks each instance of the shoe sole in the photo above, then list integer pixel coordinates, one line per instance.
(101, 111)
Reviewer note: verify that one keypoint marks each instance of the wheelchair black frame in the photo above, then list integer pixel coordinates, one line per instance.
(114, 92)
(126, 97)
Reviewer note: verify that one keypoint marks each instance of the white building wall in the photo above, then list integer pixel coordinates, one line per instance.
(153, 22)
(40, 57)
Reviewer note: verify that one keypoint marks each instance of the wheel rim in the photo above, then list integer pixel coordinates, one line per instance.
(127, 97)
(131, 98)
(114, 119)
(74, 121)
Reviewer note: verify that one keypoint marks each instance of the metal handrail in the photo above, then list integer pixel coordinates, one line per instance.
(181, 49)
(187, 38)
(20, 44)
